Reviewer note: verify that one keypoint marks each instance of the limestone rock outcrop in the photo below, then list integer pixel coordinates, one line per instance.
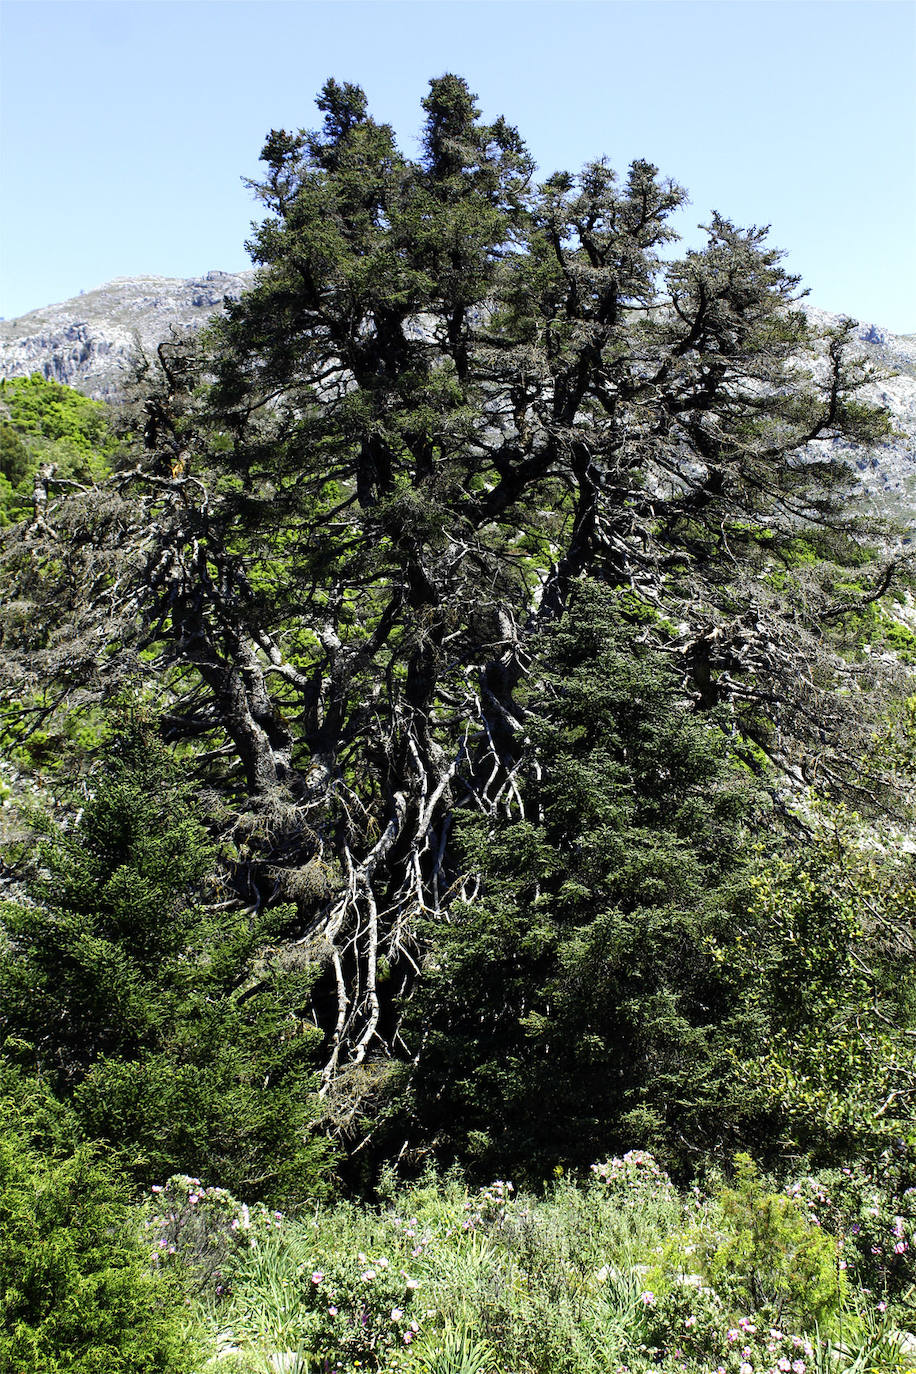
(91, 341)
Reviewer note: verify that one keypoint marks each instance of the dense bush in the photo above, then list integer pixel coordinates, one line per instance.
(822, 958)
(171, 1025)
(76, 1292)
(45, 424)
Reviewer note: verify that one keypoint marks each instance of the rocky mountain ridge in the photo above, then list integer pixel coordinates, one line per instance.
(90, 342)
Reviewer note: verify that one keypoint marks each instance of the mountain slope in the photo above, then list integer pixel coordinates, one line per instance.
(89, 341)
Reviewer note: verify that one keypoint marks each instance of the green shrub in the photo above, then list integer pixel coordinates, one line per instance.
(76, 1291)
(45, 423)
(822, 961)
(772, 1259)
(173, 1029)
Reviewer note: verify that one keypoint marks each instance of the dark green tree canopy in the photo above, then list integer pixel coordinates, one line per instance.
(575, 1005)
(159, 1008)
(449, 395)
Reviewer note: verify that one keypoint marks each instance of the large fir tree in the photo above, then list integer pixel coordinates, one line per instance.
(450, 393)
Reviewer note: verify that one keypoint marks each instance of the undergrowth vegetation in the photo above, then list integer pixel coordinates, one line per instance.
(620, 1273)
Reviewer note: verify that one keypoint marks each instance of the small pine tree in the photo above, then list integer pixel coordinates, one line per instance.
(169, 1026)
(76, 1292)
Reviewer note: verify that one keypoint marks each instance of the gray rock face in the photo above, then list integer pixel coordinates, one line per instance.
(89, 342)
(889, 471)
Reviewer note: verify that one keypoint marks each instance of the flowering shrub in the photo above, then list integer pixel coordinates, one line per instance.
(412, 1233)
(693, 1328)
(362, 1311)
(874, 1221)
(202, 1229)
(489, 1207)
(636, 1177)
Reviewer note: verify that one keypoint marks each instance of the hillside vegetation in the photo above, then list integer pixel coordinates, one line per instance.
(462, 918)
(48, 433)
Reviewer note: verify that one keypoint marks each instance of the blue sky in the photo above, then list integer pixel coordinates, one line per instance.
(127, 125)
